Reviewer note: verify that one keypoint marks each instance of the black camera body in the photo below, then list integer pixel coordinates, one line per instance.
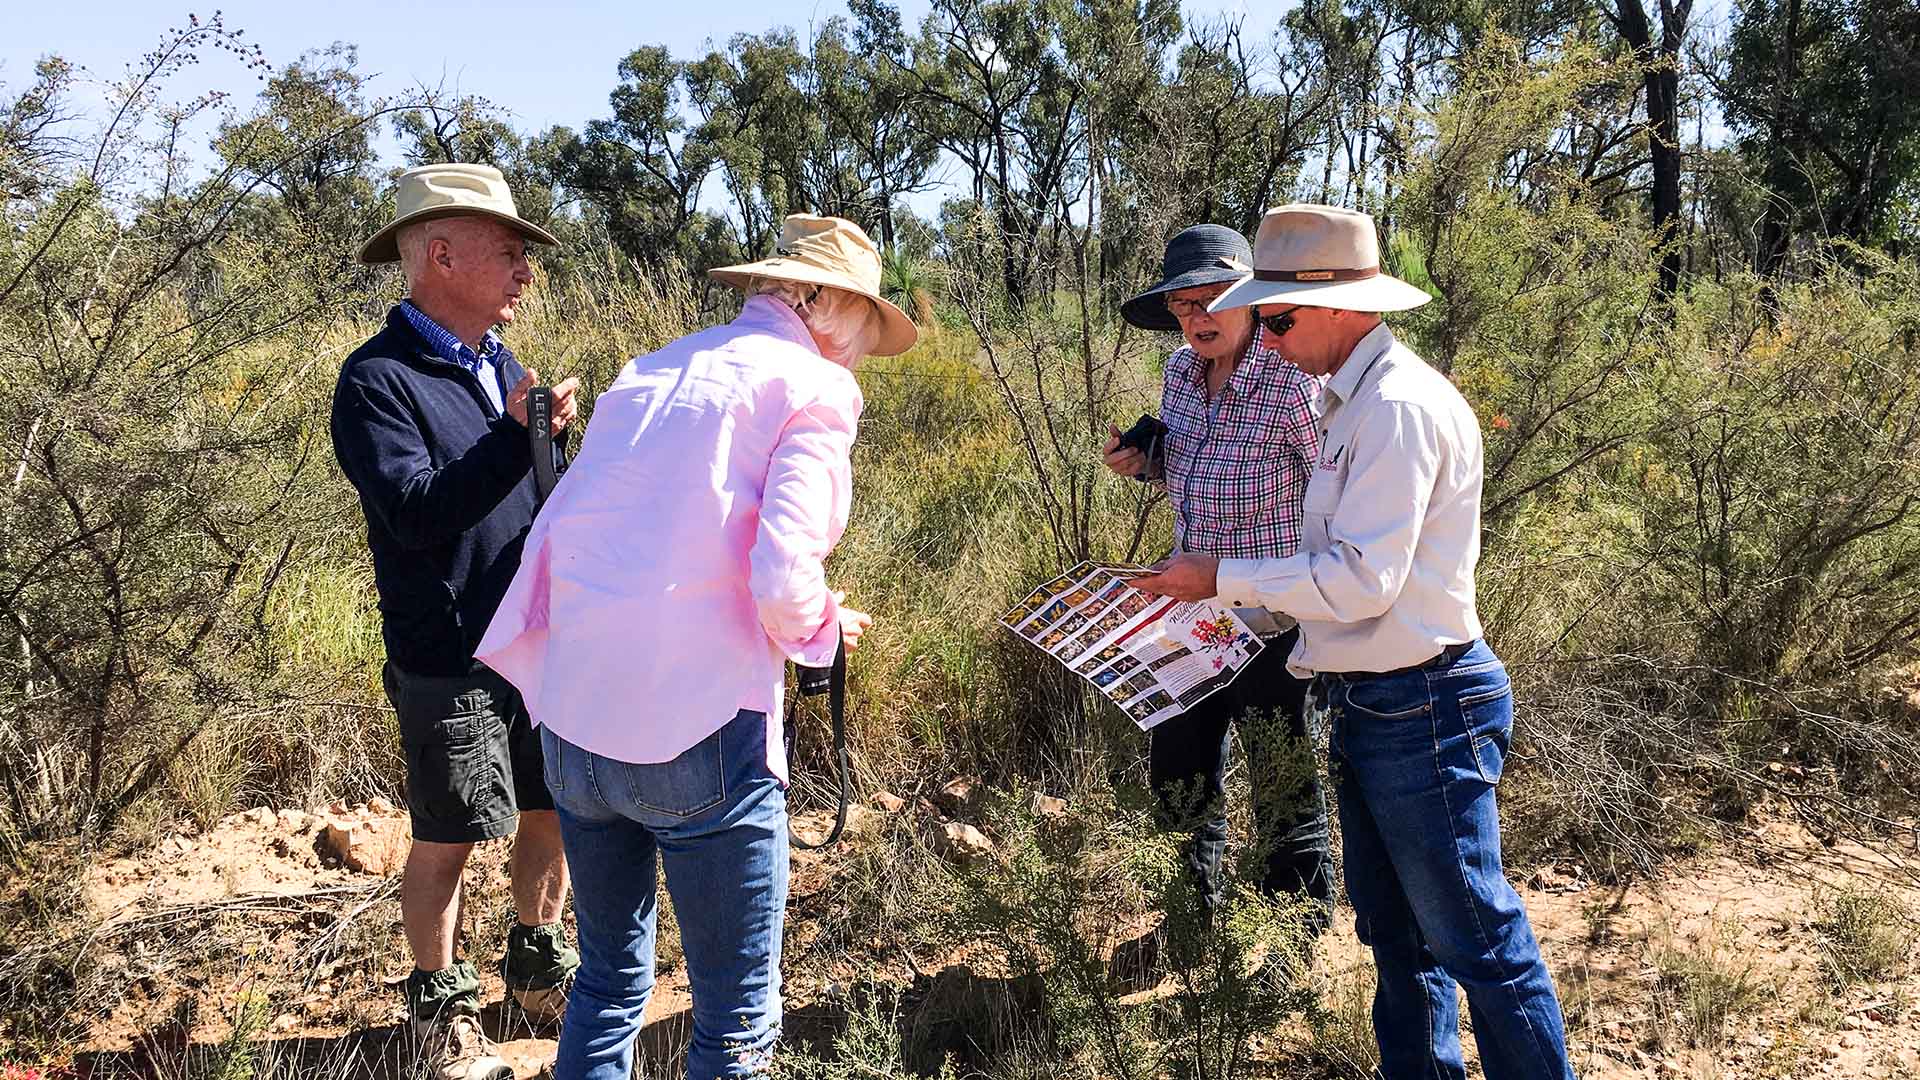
(1147, 435)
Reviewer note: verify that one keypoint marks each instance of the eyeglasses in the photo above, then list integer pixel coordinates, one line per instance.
(1278, 325)
(1186, 309)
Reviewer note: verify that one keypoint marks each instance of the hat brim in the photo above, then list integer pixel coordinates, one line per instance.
(1148, 311)
(897, 332)
(384, 248)
(1382, 292)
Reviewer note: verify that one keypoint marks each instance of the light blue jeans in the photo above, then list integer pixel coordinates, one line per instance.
(1416, 757)
(717, 817)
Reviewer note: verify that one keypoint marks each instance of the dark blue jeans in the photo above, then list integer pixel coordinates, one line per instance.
(1415, 759)
(717, 818)
(1187, 766)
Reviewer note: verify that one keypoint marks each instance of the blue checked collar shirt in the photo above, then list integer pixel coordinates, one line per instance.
(454, 351)
(1237, 463)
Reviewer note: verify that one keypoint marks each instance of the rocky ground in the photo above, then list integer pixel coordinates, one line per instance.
(285, 923)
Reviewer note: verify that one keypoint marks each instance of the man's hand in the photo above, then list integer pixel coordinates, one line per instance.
(1183, 577)
(564, 405)
(852, 623)
(1126, 462)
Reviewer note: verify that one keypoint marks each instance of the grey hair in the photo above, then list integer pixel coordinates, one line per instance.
(415, 240)
(845, 325)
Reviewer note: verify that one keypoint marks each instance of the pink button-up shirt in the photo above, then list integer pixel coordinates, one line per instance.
(678, 563)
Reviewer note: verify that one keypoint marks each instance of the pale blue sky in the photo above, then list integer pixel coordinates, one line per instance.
(549, 63)
(546, 64)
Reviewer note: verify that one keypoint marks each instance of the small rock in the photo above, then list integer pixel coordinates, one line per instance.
(1617, 1031)
(1048, 806)
(381, 807)
(285, 1022)
(366, 847)
(1548, 879)
(888, 802)
(294, 821)
(1853, 1040)
(963, 841)
(957, 795)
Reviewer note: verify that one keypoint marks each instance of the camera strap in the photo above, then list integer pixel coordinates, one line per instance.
(540, 439)
(833, 682)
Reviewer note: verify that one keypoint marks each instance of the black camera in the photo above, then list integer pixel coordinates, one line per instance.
(1147, 435)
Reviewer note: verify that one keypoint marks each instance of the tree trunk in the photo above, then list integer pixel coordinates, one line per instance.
(1662, 81)
(1775, 219)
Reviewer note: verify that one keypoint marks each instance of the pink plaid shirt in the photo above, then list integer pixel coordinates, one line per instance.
(1238, 464)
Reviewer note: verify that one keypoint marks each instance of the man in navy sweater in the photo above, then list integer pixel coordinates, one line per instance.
(429, 425)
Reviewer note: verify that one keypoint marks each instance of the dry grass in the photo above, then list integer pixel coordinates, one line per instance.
(1866, 934)
(1703, 987)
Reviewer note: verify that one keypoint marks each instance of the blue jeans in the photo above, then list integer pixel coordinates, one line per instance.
(718, 819)
(1415, 759)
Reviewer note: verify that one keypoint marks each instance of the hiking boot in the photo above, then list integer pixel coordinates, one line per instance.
(538, 969)
(455, 1048)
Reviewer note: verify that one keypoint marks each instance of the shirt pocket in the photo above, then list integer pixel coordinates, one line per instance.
(1318, 504)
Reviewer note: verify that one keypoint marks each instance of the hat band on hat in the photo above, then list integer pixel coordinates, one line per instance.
(1317, 275)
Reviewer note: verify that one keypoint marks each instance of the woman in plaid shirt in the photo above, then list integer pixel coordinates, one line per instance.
(1241, 439)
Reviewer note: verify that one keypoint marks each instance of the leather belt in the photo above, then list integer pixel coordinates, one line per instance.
(1444, 659)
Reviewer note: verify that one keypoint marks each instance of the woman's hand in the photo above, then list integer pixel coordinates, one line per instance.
(1126, 462)
(852, 623)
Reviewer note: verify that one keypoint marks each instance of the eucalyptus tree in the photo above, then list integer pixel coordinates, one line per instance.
(641, 169)
(1822, 95)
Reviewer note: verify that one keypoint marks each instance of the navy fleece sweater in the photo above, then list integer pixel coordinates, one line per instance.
(447, 487)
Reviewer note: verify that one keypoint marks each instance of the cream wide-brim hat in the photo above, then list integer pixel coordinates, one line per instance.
(1319, 256)
(436, 191)
(836, 253)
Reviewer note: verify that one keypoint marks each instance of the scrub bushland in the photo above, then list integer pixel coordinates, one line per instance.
(1701, 555)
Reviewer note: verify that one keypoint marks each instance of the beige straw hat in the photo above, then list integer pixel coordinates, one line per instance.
(835, 252)
(434, 191)
(1320, 256)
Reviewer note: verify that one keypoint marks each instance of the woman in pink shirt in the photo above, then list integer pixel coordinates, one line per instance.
(673, 572)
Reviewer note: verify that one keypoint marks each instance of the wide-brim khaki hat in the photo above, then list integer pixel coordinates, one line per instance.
(436, 191)
(834, 252)
(1319, 256)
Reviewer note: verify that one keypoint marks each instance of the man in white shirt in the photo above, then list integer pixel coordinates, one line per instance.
(1421, 709)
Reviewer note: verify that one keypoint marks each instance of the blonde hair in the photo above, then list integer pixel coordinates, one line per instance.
(845, 325)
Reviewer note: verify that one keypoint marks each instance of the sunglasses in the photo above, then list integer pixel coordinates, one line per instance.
(1278, 325)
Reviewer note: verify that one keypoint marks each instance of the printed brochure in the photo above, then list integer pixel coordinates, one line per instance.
(1155, 657)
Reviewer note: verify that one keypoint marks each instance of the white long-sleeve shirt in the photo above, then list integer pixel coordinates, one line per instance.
(1390, 522)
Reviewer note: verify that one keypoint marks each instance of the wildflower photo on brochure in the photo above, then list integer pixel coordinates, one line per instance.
(1153, 656)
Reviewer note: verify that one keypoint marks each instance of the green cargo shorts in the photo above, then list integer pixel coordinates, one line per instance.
(473, 758)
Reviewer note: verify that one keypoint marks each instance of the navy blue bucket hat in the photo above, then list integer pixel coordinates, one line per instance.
(1200, 255)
